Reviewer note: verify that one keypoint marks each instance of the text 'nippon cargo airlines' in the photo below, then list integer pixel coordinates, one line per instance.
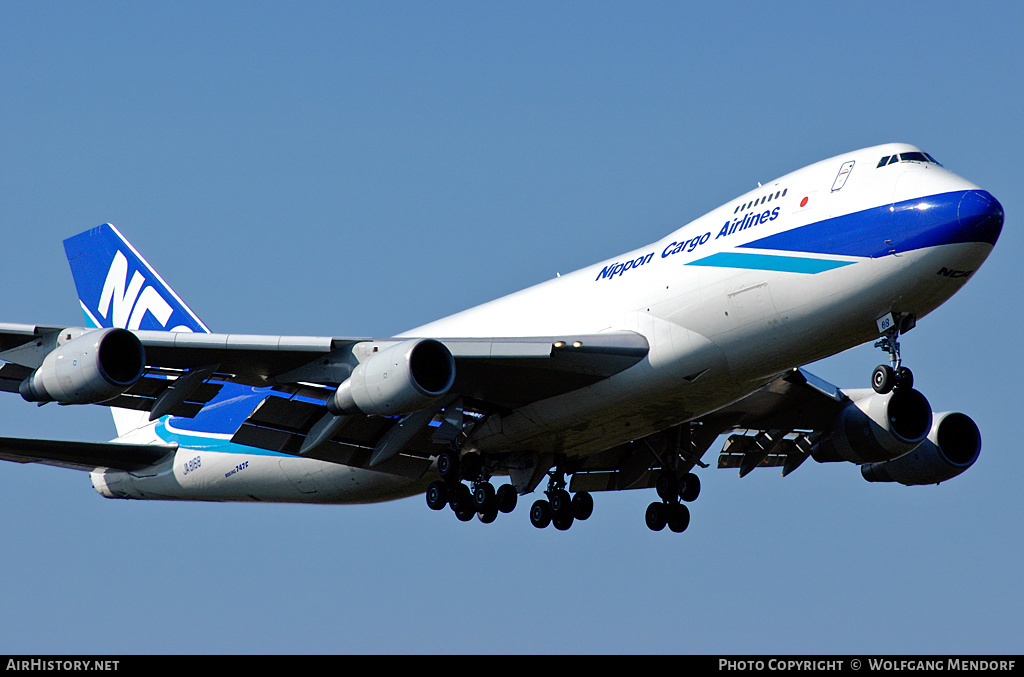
(617, 376)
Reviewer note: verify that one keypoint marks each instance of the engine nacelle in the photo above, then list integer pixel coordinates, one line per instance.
(93, 367)
(952, 446)
(876, 427)
(401, 379)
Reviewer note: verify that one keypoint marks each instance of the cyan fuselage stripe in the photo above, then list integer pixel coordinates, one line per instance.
(785, 264)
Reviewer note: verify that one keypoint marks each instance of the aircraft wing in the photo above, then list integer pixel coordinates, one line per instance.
(797, 400)
(776, 425)
(296, 376)
(505, 372)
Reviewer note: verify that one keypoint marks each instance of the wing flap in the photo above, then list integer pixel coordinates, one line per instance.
(786, 417)
(281, 424)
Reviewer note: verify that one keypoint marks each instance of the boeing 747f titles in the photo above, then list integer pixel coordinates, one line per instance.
(617, 376)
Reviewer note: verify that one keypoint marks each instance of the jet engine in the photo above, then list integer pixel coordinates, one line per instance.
(874, 427)
(401, 379)
(952, 446)
(93, 367)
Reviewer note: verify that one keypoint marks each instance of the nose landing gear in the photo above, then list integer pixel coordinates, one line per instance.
(888, 377)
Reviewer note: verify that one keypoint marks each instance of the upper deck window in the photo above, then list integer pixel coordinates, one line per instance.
(760, 201)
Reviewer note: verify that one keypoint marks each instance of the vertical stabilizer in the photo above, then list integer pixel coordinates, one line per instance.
(118, 288)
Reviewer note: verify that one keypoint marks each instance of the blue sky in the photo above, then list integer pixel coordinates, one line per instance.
(360, 169)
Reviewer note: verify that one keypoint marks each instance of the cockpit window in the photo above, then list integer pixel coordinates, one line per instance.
(915, 156)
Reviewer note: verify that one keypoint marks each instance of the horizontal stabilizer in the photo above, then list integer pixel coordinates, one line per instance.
(83, 455)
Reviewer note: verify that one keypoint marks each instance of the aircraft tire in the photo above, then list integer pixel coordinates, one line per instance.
(540, 514)
(655, 517)
(691, 488)
(561, 503)
(437, 495)
(460, 498)
(667, 485)
(448, 465)
(678, 518)
(883, 378)
(472, 465)
(582, 505)
(507, 497)
(484, 498)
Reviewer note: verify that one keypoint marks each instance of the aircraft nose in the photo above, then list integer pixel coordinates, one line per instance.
(980, 216)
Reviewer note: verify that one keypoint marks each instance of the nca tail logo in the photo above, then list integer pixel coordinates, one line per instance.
(130, 301)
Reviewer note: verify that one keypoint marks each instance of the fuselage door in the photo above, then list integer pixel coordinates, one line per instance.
(844, 173)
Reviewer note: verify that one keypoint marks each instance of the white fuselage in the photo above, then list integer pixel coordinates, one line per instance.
(721, 320)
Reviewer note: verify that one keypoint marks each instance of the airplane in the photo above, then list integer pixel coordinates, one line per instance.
(618, 376)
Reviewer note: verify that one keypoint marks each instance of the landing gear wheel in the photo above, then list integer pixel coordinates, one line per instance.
(667, 485)
(883, 378)
(437, 495)
(690, 489)
(484, 498)
(507, 497)
(465, 514)
(563, 521)
(678, 517)
(472, 466)
(487, 516)
(656, 517)
(448, 465)
(461, 499)
(582, 505)
(904, 378)
(540, 514)
(561, 503)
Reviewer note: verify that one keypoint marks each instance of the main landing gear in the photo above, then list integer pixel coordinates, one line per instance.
(560, 508)
(888, 377)
(480, 498)
(669, 511)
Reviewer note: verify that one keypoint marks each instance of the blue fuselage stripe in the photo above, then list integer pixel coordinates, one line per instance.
(946, 218)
